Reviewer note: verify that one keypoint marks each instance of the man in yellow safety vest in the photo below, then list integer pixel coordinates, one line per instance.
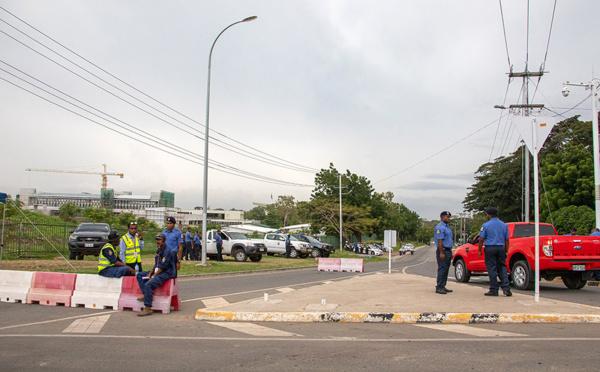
(130, 246)
(109, 264)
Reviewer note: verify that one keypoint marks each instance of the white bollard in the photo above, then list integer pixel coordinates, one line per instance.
(266, 296)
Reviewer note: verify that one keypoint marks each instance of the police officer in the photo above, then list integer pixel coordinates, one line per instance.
(188, 253)
(219, 243)
(288, 246)
(573, 232)
(197, 245)
(109, 264)
(174, 240)
(163, 270)
(443, 238)
(131, 245)
(495, 233)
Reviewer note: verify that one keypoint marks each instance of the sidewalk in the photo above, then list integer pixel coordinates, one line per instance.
(400, 298)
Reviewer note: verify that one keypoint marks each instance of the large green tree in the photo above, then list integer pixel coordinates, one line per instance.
(68, 211)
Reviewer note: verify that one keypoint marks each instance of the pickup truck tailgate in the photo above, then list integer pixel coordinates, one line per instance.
(576, 248)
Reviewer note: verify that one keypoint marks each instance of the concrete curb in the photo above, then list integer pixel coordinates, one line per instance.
(398, 318)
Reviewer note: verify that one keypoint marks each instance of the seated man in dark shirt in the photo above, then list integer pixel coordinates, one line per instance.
(163, 270)
(109, 264)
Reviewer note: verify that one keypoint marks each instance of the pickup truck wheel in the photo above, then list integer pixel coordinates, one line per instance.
(293, 253)
(316, 253)
(521, 275)
(72, 255)
(573, 281)
(461, 273)
(256, 258)
(270, 254)
(240, 255)
(80, 256)
(325, 255)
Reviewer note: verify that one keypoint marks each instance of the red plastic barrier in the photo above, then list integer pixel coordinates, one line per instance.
(52, 288)
(165, 296)
(329, 264)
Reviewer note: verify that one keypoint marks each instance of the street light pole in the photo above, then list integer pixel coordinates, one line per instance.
(593, 86)
(206, 134)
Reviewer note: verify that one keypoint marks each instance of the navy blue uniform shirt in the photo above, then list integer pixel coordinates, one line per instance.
(442, 231)
(494, 232)
(165, 260)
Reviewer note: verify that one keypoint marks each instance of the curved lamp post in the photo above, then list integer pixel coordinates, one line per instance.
(205, 191)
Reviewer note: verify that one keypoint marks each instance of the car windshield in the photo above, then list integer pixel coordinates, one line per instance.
(312, 240)
(293, 238)
(236, 235)
(90, 227)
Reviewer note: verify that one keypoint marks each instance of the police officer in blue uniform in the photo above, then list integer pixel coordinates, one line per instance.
(495, 234)
(443, 238)
(163, 270)
(174, 240)
(219, 243)
(288, 246)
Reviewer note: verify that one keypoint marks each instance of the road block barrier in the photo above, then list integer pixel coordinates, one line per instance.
(165, 296)
(352, 265)
(130, 292)
(97, 292)
(52, 288)
(329, 264)
(14, 285)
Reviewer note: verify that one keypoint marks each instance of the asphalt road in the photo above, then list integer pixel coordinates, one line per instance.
(58, 338)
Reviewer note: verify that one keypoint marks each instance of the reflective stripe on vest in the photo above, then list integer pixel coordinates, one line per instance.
(131, 248)
(103, 262)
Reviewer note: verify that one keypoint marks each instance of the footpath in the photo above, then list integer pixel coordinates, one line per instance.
(399, 298)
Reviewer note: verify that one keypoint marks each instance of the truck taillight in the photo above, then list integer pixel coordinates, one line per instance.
(548, 249)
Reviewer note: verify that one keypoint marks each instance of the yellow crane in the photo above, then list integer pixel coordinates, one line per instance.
(103, 174)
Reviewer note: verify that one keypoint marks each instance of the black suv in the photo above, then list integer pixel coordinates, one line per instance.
(320, 249)
(88, 239)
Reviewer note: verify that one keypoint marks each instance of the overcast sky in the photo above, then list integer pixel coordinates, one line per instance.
(377, 87)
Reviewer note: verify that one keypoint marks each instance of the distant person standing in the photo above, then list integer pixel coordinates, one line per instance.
(495, 234)
(131, 245)
(288, 246)
(443, 238)
(197, 245)
(573, 231)
(595, 232)
(219, 242)
(188, 253)
(174, 240)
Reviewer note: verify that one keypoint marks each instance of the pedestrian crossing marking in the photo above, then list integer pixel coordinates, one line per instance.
(87, 325)
(254, 329)
(286, 290)
(470, 330)
(215, 302)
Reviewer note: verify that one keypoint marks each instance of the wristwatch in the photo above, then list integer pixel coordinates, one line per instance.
(178, 261)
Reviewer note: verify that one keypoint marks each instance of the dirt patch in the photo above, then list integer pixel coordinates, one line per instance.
(57, 264)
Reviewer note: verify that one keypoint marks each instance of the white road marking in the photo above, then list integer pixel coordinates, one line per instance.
(327, 282)
(87, 325)
(286, 290)
(215, 302)
(469, 330)
(404, 270)
(58, 320)
(253, 329)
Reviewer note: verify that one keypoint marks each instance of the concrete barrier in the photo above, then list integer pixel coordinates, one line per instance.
(165, 296)
(352, 265)
(130, 292)
(52, 288)
(329, 264)
(14, 285)
(96, 292)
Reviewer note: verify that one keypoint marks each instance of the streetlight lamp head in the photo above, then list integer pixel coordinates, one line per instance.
(249, 19)
(565, 91)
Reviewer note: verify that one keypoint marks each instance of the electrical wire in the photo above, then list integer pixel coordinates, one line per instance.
(505, 39)
(287, 163)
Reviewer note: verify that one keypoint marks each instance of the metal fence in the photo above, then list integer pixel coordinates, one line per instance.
(23, 239)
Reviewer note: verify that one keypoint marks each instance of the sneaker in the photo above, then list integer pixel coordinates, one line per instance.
(490, 293)
(440, 291)
(141, 299)
(507, 293)
(447, 290)
(145, 311)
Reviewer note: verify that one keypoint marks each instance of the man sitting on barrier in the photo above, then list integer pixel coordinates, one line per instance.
(109, 264)
(163, 270)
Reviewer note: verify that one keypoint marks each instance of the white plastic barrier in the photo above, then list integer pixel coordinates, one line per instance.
(329, 264)
(352, 265)
(96, 292)
(14, 285)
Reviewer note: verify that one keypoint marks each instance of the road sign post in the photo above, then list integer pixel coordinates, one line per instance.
(389, 241)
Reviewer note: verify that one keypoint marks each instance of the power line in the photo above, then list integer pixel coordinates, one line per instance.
(504, 29)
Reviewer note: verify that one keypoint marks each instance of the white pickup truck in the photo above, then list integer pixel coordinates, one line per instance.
(235, 244)
(275, 243)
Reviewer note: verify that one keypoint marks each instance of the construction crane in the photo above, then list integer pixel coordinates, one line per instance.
(103, 174)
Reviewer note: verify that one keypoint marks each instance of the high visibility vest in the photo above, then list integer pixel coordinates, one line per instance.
(132, 249)
(103, 262)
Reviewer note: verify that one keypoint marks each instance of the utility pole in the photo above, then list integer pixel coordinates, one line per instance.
(340, 187)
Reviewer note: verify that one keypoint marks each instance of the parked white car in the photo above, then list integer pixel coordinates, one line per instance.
(275, 243)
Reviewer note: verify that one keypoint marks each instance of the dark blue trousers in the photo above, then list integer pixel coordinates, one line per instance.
(148, 286)
(495, 263)
(115, 272)
(219, 251)
(443, 267)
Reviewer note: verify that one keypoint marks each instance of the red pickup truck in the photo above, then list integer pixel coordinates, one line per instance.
(573, 258)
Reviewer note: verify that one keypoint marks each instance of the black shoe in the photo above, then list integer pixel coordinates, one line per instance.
(440, 291)
(447, 290)
(507, 293)
(490, 293)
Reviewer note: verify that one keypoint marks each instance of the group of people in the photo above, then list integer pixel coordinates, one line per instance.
(495, 235)
(128, 261)
(593, 232)
(193, 245)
